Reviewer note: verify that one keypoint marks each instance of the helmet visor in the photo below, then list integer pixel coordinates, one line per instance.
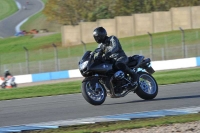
(98, 39)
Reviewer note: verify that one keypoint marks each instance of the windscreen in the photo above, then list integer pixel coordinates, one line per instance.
(86, 55)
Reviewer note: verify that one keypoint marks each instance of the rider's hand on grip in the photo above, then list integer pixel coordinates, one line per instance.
(107, 55)
(105, 58)
(98, 58)
(102, 47)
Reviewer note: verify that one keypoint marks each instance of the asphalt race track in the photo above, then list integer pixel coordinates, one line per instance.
(65, 107)
(7, 26)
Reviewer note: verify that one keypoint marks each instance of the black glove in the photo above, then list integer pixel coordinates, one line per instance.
(107, 55)
(98, 58)
(102, 47)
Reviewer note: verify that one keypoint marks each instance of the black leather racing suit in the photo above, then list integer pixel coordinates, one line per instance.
(113, 50)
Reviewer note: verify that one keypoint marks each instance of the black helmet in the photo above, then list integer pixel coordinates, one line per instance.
(6, 71)
(99, 34)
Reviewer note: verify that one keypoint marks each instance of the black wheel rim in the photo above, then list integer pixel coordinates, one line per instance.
(147, 84)
(97, 93)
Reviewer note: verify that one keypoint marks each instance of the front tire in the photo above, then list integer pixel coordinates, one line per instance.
(3, 86)
(94, 96)
(147, 86)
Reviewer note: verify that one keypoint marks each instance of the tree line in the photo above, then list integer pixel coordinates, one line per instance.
(74, 11)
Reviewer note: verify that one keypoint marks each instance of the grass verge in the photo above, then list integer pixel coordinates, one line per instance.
(121, 125)
(162, 77)
(7, 7)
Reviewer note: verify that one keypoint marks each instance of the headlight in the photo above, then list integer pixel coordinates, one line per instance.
(83, 65)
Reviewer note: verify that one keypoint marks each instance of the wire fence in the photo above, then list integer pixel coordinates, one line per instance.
(58, 64)
(162, 47)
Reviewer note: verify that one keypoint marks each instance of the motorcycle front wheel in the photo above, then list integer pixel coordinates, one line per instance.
(3, 86)
(93, 95)
(147, 86)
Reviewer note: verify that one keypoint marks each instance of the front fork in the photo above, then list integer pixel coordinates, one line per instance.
(94, 82)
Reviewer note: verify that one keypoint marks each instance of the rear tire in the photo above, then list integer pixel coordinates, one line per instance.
(147, 86)
(92, 96)
(14, 85)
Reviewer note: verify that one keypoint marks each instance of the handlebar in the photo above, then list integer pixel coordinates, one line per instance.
(95, 51)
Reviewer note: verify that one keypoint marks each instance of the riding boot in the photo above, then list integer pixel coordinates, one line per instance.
(133, 75)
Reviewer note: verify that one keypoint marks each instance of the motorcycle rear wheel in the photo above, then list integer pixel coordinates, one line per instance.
(14, 85)
(147, 86)
(94, 96)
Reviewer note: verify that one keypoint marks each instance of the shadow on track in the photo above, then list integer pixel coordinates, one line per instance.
(159, 99)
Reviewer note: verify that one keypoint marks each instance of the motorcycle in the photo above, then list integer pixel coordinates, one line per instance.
(102, 79)
(8, 82)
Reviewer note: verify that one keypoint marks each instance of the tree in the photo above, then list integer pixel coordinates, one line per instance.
(74, 11)
(102, 10)
(66, 11)
(123, 7)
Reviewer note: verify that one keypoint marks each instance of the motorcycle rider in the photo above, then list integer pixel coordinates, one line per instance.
(8, 81)
(7, 73)
(112, 49)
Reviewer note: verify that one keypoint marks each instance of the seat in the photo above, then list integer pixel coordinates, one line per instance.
(135, 61)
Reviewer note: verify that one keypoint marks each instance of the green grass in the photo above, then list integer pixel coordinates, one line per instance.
(40, 90)
(16, 44)
(177, 76)
(122, 125)
(7, 8)
(162, 77)
(13, 47)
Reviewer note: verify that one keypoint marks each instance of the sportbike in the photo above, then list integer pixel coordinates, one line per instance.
(8, 82)
(102, 79)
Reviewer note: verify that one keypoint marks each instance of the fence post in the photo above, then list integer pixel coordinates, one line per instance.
(41, 54)
(186, 51)
(133, 46)
(39, 66)
(27, 59)
(163, 53)
(183, 42)
(84, 45)
(68, 50)
(56, 56)
(59, 64)
(41, 61)
(166, 47)
(166, 43)
(20, 68)
(197, 34)
(151, 45)
(141, 52)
